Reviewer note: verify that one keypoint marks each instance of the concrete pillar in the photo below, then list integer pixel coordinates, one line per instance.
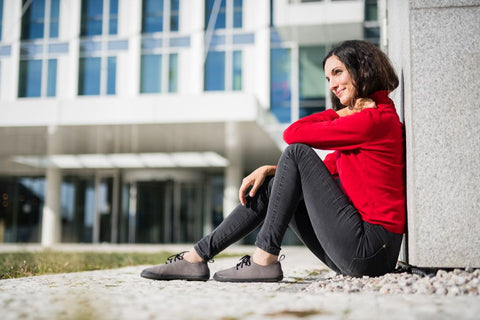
(51, 222)
(435, 46)
(51, 227)
(234, 170)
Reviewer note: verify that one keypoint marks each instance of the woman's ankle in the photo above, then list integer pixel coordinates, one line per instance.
(263, 258)
(192, 256)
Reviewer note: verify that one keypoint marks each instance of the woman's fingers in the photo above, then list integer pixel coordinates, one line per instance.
(242, 192)
(258, 182)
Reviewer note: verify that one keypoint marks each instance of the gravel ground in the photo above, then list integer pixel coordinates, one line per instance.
(309, 291)
(444, 283)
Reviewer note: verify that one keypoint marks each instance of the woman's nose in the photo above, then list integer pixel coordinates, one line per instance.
(333, 85)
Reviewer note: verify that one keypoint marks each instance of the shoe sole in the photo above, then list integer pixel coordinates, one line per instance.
(278, 279)
(155, 276)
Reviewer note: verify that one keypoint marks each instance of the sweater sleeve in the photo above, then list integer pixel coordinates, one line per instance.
(326, 130)
(330, 162)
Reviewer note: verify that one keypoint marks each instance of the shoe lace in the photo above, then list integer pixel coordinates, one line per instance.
(175, 257)
(244, 261)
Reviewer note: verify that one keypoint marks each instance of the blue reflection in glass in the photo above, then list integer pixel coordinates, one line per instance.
(1, 19)
(150, 73)
(113, 23)
(245, 38)
(215, 71)
(220, 23)
(111, 75)
(237, 13)
(173, 72)
(33, 20)
(54, 17)
(237, 71)
(30, 78)
(152, 16)
(89, 76)
(174, 15)
(179, 42)
(92, 14)
(52, 78)
(280, 91)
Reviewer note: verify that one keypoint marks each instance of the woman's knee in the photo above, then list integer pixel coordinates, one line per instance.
(296, 147)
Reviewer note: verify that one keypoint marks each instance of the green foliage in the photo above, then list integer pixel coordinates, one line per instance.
(24, 264)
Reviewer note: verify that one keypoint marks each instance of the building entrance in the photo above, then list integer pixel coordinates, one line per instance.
(169, 210)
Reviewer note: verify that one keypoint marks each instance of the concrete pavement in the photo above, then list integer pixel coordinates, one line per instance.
(123, 294)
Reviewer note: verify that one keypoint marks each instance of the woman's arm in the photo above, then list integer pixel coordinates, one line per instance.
(345, 129)
(254, 180)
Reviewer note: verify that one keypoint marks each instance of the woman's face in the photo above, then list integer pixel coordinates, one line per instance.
(341, 83)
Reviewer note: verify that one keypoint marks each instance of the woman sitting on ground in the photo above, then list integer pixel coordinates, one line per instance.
(348, 209)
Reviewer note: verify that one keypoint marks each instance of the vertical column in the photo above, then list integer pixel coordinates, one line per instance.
(177, 228)
(194, 25)
(168, 208)
(96, 213)
(115, 207)
(261, 62)
(207, 207)
(132, 212)
(234, 170)
(441, 129)
(51, 226)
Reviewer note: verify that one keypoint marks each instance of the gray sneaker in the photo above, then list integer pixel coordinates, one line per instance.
(248, 271)
(176, 268)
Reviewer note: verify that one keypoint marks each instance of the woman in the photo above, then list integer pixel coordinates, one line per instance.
(349, 209)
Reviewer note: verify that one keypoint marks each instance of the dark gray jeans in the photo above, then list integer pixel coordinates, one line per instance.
(304, 195)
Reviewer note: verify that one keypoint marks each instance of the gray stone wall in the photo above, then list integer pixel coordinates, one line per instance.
(435, 47)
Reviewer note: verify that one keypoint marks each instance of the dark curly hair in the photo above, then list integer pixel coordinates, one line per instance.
(368, 66)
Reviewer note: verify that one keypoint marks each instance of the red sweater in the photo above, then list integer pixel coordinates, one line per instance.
(368, 157)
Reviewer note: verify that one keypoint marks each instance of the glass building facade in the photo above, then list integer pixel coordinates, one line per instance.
(123, 58)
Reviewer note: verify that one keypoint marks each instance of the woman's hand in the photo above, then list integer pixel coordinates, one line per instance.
(254, 180)
(360, 104)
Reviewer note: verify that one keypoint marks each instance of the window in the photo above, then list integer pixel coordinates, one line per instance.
(223, 12)
(371, 10)
(99, 17)
(237, 71)
(311, 80)
(371, 30)
(151, 73)
(160, 43)
(150, 76)
(215, 71)
(1, 19)
(38, 63)
(280, 89)
(90, 76)
(40, 18)
(174, 15)
(30, 78)
(98, 65)
(173, 73)
(224, 40)
(156, 12)
(52, 78)
(311, 89)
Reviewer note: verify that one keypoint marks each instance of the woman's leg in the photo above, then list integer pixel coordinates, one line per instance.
(342, 235)
(238, 224)
(302, 227)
